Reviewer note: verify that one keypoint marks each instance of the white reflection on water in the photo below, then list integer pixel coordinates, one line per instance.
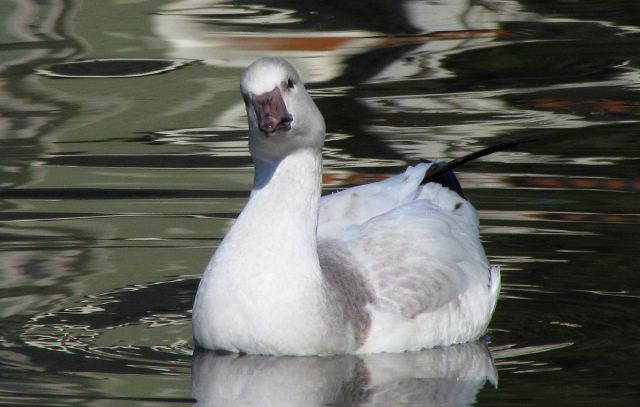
(517, 359)
(226, 14)
(442, 376)
(233, 37)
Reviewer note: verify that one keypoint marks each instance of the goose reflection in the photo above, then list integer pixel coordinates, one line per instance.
(441, 376)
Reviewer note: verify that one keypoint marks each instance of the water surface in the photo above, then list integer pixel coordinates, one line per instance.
(124, 161)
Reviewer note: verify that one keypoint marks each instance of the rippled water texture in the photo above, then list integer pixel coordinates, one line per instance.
(123, 161)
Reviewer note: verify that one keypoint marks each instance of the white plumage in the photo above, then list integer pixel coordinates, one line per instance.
(385, 267)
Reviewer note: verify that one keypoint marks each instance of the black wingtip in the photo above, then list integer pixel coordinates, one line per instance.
(442, 173)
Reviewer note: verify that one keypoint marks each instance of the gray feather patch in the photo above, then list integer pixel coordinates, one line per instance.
(346, 288)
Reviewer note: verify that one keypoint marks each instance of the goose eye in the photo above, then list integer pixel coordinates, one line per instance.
(290, 83)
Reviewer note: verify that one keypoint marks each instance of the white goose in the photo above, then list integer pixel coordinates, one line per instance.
(391, 266)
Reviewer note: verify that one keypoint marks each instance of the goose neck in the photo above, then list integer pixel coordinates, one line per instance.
(289, 187)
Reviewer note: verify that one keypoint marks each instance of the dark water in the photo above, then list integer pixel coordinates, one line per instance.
(120, 175)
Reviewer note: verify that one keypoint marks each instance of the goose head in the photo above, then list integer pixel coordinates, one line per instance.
(282, 116)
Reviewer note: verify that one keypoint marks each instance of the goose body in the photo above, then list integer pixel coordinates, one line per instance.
(390, 266)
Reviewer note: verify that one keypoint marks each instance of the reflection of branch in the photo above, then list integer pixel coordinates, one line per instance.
(443, 35)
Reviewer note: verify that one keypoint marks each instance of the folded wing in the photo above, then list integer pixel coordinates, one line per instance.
(414, 246)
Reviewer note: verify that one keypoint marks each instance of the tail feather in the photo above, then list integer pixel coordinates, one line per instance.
(442, 172)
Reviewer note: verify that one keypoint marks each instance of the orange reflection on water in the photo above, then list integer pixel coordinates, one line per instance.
(615, 184)
(314, 42)
(342, 178)
(345, 178)
(600, 105)
(632, 218)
